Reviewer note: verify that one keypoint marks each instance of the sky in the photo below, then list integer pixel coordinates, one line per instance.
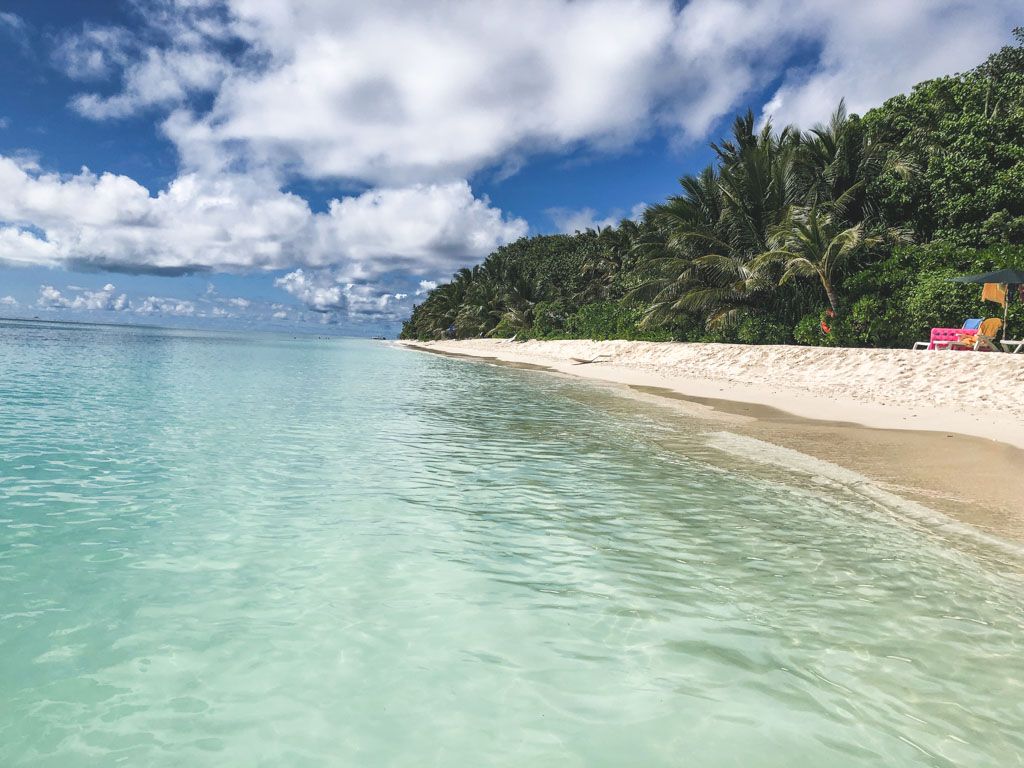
(319, 165)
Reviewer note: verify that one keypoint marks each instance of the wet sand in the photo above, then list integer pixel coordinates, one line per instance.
(971, 479)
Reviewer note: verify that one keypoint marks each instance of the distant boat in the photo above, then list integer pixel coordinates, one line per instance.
(379, 338)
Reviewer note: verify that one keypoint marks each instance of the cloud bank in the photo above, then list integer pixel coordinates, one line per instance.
(103, 299)
(400, 92)
(328, 292)
(109, 299)
(235, 223)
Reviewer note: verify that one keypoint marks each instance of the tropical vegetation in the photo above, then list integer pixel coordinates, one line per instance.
(846, 234)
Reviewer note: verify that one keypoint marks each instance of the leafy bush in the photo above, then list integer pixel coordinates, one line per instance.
(505, 329)
(548, 319)
(933, 300)
(612, 320)
(809, 333)
(756, 329)
(867, 324)
(599, 320)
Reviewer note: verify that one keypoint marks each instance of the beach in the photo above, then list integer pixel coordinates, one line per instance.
(942, 428)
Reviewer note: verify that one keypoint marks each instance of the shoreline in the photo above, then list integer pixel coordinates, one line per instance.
(965, 462)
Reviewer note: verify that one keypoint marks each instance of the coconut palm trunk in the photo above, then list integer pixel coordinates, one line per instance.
(830, 291)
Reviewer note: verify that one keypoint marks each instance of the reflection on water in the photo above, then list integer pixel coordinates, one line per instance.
(256, 550)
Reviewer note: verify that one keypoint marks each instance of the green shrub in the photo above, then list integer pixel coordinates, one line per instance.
(933, 300)
(757, 329)
(809, 333)
(504, 329)
(612, 320)
(598, 320)
(548, 319)
(867, 324)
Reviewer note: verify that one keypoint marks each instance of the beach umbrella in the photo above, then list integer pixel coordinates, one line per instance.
(1011, 277)
(1008, 276)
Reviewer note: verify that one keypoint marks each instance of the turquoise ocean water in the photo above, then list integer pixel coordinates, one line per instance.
(252, 550)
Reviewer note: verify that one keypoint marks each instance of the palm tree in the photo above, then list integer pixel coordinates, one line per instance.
(720, 223)
(521, 295)
(838, 160)
(812, 243)
(758, 182)
(481, 307)
(616, 252)
(440, 310)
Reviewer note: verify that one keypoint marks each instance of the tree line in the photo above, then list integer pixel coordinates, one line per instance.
(846, 234)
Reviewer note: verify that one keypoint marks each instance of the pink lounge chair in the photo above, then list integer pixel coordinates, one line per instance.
(944, 338)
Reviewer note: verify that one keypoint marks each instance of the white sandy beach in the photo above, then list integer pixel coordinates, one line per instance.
(970, 393)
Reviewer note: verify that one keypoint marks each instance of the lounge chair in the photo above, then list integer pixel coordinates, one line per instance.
(984, 340)
(943, 338)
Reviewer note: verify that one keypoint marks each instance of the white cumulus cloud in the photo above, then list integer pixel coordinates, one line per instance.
(426, 286)
(404, 92)
(105, 299)
(162, 77)
(424, 229)
(156, 305)
(239, 223)
(873, 50)
(400, 92)
(159, 64)
(317, 290)
(569, 220)
(331, 292)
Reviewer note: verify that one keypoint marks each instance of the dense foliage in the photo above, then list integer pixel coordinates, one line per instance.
(856, 226)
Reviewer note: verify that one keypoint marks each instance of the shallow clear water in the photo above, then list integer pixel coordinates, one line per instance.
(254, 550)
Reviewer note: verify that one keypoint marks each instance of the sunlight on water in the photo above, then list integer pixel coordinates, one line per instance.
(255, 550)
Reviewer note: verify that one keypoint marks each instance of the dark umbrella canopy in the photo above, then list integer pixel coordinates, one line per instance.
(1009, 276)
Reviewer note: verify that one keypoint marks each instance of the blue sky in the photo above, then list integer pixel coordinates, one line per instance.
(317, 165)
